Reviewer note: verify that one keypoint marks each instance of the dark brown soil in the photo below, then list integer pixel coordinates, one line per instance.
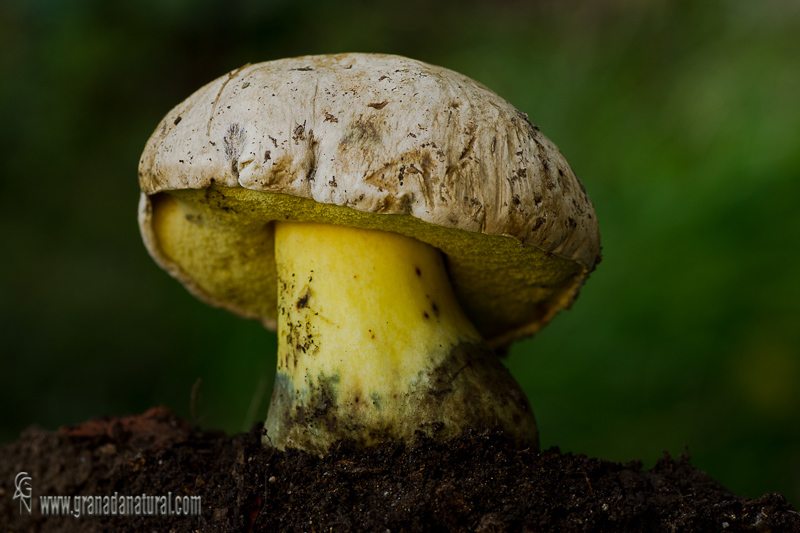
(476, 482)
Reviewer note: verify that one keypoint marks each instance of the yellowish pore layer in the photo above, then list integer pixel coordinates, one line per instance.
(221, 241)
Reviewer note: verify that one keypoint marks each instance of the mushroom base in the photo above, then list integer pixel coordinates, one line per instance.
(470, 389)
(373, 345)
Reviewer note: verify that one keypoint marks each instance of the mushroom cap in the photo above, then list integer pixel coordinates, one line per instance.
(374, 141)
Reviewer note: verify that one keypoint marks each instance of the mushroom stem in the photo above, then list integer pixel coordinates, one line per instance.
(374, 346)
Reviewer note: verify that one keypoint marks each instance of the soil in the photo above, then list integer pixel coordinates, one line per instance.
(475, 482)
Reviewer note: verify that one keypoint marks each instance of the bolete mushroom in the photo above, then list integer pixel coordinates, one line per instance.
(393, 220)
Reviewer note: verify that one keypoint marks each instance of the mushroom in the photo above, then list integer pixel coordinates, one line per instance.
(394, 221)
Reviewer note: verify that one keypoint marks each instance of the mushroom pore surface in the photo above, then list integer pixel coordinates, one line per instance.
(219, 242)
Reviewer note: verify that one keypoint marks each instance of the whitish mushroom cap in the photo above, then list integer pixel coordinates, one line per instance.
(371, 141)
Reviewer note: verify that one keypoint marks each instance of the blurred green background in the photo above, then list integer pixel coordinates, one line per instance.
(681, 118)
